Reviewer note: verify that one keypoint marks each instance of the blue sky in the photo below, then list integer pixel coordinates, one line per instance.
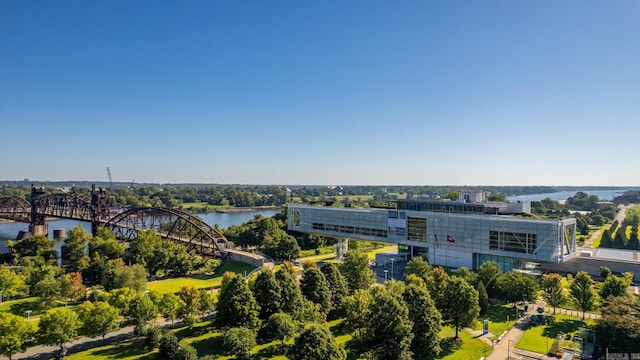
(321, 92)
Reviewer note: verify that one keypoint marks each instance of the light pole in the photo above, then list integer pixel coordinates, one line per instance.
(146, 292)
(28, 315)
(385, 275)
(0, 295)
(392, 275)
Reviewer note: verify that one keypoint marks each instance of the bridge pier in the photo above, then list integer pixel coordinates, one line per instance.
(39, 230)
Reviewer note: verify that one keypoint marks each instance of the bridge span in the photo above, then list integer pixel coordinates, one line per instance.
(171, 224)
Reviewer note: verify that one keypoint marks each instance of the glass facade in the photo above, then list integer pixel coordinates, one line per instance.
(453, 239)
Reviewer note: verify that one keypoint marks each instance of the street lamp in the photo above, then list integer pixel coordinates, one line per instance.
(392, 276)
(28, 315)
(146, 292)
(385, 275)
(0, 295)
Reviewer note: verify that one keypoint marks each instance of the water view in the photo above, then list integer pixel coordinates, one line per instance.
(223, 219)
(563, 195)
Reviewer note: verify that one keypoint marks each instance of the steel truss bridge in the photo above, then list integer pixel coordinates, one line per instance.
(169, 223)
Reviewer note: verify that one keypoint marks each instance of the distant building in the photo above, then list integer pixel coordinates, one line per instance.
(460, 233)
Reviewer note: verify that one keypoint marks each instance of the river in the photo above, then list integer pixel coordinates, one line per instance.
(564, 195)
(223, 219)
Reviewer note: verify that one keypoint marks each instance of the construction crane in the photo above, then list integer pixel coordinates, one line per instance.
(110, 179)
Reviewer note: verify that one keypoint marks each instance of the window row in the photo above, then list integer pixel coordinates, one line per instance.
(350, 230)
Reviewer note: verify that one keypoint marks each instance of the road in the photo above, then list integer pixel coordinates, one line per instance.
(620, 216)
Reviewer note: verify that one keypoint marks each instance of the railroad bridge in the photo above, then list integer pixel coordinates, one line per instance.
(169, 223)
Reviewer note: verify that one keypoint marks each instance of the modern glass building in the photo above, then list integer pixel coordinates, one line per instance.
(450, 234)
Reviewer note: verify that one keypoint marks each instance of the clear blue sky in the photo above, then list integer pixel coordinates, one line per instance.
(321, 92)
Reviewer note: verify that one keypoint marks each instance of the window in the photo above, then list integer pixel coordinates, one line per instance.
(417, 229)
(515, 242)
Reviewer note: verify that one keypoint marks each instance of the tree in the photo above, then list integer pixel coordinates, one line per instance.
(634, 242)
(121, 299)
(620, 240)
(315, 287)
(239, 341)
(387, 333)
(337, 285)
(419, 267)
(71, 286)
(553, 291)
(291, 295)
(465, 273)
(97, 319)
(58, 327)
(142, 309)
(48, 290)
(618, 326)
(75, 249)
(106, 246)
(605, 272)
(356, 309)
(236, 304)
(190, 306)
(356, 271)
(605, 240)
(169, 306)
(460, 303)
(34, 246)
(11, 283)
(281, 247)
(281, 327)
(169, 347)
(425, 318)
(614, 286)
(316, 343)
(267, 293)
(187, 352)
(515, 286)
(489, 273)
(436, 283)
(15, 331)
(581, 292)
(117, 275)
(483, 298)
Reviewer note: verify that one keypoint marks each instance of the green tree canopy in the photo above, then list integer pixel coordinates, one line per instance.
(553, 292)
(489, 273)
(11, 283)
(267, 292)
(281, 327)
(291, 294)
(169, 306)
(315, 287)
(356, 271)
(316, 343)
(239, 341)
(34, 246)
(98, 319)
(236, 304)
(436, 283)
(483, 298)
(618, 326)
(14, 333)
(356, 309)
(419, 267)
(460, 303)
(581, 292)
(387, 333)
(58, 327)
(614, 286)
(75, 249)
(337, 285)
(425, 318)
(515, 286)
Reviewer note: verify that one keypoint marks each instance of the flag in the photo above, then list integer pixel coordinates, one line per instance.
(435, 241)
(450, 239)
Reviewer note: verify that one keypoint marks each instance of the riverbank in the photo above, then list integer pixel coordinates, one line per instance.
(247, 209)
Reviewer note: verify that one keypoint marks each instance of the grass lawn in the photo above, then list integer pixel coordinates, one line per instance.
(200, 281)
(536, 338)
(372, 254)
(123, 350)
(497, 316)
(466, 348)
